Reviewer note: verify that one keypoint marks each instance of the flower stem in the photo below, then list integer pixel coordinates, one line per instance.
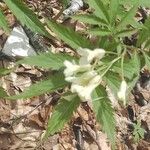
(112, 62)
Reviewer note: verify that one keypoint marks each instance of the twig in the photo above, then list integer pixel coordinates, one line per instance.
(25, 115)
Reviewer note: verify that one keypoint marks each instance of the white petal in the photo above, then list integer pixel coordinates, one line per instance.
(122, 92)
(72, 68)
(87, 55)
(96, 54)
(70, 79)
(85, 91)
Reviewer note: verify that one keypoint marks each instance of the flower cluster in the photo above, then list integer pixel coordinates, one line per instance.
(83, 77)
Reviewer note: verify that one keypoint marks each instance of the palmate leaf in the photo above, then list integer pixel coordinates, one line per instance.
(54, 82)
(104, 113)
(90, 19)
(129, 16)
(68, 35)
(62, 113)
(47, 60)
(3, 23)
(100, 9)
(26, 16)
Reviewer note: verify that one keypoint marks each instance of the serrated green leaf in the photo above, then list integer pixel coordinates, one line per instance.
(54, 82)
(99, 32)
(3, 94)
(3, 23)
(100, 9)
(90, 19)
(126, 19)
(104, 112)
(114, 4)
(68, 35)
(26, 16)
(47, 60)
(144, 34)
(62, 113)
(127, 32)
(131, 66)
(113, 81)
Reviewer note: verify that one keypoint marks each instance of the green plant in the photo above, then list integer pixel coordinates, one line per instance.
(117, 65)
(138, 132)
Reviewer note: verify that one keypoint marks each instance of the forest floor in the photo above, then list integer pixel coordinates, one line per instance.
(23, 122)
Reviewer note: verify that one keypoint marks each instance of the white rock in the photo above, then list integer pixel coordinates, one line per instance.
(75, 5)
(17, 44)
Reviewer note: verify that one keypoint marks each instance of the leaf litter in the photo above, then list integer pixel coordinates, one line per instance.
(23, 123)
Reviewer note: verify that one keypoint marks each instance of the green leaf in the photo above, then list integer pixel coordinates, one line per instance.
(90, 19)
(114, 4)
(3, 94)
(113, 81)
(131, 84)
(127, 18)
(127, 32)
(4, 71)
(104, 112)
(47, 60)
(144, 3)
(99, 32)
(138, 132)
(100, 9)
(55, 82)
(26, 16)
(147, 60)
(3, 22)
(131, 66)
(144, 33)
(68, 35)
(62, 113)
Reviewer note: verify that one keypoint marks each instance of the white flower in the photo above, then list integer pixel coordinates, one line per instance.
(122, 92)
(72, 68)
(87, 55)
(84, 91)
(83, 77)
